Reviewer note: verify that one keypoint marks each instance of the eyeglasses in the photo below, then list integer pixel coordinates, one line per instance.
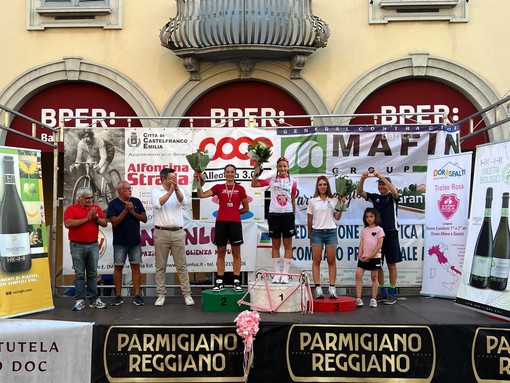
(87, 198)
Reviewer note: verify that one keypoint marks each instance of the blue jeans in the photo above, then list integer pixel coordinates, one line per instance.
(123, 252)
(323, 237)
(85, 257)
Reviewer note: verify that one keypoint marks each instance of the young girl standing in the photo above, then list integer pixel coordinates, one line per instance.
(371, 240)
(281, 218)
(322, 230)
(233, 202)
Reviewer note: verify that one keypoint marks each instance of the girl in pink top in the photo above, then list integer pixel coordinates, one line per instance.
(369, 255)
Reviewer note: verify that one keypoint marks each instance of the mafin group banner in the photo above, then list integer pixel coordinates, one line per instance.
(486, 266)
(446, 221)
(25, 285)
(397, 151)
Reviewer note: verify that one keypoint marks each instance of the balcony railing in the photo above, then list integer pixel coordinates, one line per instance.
(244, 29)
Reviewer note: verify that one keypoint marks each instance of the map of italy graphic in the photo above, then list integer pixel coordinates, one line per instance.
(438, 251)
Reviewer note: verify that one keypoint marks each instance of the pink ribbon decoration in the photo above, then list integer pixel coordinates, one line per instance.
(247, 327)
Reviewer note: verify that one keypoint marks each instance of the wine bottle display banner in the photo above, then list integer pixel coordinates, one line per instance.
(15, 254)
(25, 285)
(482, 256)
(500, 266)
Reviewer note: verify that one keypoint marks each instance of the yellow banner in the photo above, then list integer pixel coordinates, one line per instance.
(25, 285)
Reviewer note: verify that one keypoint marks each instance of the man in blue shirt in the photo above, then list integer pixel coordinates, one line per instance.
(125, 213)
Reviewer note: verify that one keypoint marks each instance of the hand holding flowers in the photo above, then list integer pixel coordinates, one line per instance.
(344, 188)
(259, 152)
(198, 162)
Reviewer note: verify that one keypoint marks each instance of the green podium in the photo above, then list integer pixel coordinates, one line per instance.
(223, 301)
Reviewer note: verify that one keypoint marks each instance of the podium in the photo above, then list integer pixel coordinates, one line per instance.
(339, 304)
(270, 297)
(223, 301)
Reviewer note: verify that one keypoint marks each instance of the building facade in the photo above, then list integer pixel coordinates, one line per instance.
(282, 62)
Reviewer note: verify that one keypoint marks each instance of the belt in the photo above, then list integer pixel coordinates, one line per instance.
(175, 228)
(85, 243)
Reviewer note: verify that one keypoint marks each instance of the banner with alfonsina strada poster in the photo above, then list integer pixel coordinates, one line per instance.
(25, 285)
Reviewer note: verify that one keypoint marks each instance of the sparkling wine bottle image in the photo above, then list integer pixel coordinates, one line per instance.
(498, 278)
(482, 257)
(14, 235)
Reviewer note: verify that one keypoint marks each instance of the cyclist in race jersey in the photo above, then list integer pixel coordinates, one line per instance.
(98, 150)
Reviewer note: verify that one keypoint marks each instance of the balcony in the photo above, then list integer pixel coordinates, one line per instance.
(244, 31)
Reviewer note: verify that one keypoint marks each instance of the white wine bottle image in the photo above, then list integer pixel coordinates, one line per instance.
(482, 257)
(14, 235)
(498, 278)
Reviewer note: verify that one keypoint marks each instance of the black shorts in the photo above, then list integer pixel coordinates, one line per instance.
(373, 264)
(227, 231)
(390, 249)
(281, 225)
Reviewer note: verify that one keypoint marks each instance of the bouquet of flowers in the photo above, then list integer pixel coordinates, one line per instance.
(198, 162)
(344, 188)
(259, 152)
(247, 327)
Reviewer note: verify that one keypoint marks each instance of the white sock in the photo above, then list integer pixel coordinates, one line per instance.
(286, 265)
(276, 264)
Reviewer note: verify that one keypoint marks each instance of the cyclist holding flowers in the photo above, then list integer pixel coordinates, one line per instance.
(282, 208)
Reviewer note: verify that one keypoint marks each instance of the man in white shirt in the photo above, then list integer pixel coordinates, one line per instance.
(167, 201)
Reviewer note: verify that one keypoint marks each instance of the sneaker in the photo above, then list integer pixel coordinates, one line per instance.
(117, 301)
(97, 304)
(79, 305)
(284, 279)
(160, 301)
(219, 285)
(380, 297)
(276, 278)
(138, 300)
(237, 285)
(188, 300)
(390, 300)
(359, 302)
(373, 302)
(317, 293)
(332, 292)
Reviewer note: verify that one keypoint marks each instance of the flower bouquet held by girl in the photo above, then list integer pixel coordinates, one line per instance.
(344, 188)
(198, 162)
(259, 152)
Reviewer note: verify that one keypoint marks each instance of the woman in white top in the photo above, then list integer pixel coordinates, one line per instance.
(322, 212)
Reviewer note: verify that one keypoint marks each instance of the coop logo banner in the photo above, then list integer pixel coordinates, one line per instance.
(491, 355)
(306, 154)
(173, 354)
(320, 353)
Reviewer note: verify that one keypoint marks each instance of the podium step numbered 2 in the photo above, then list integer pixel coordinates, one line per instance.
(223, 301)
